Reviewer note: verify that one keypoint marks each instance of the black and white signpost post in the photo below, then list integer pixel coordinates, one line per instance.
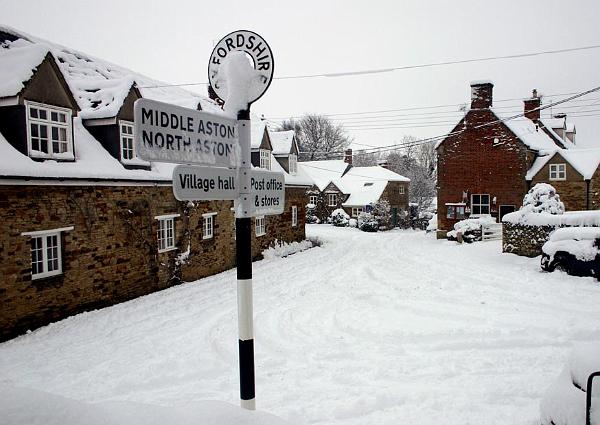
(240, 98)
(240, 70)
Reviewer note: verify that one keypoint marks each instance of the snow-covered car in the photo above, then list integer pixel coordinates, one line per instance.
(566, 400)
(576, 250)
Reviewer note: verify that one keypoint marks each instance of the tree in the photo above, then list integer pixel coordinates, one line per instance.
(317, 135)
(364, 159)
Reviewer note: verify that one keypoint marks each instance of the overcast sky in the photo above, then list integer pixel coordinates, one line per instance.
(172, 40)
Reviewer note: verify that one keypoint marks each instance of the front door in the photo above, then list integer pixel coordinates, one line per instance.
(505, 209)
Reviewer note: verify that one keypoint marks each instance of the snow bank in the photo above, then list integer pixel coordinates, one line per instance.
(283, 249)
(21, 406)
(564, 402)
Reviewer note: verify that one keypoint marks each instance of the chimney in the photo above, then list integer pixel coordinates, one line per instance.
(481, 94)
(348, 156)
(531, 106)
(383, 163)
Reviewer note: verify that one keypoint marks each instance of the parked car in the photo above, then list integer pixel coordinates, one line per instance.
(576, 250)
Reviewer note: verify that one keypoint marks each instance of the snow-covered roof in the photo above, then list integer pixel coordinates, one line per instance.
(18, 65)
(92, 161)
(98, 86)
(374, 173)
(584, 161)
(282, 141)
(529, 133)
(257, 131)
(366, 184)
(554, 122)
(323, 172)
(298, 179)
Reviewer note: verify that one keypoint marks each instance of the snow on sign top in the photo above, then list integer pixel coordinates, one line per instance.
(242, 91)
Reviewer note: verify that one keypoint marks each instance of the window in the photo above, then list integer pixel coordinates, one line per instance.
(265, 159)
(166, 232)
(455, 212)
(293, 163)
(401, 190)
(480, 204)
(259, 224)
(126, 140)
(312, 199)
(208, 225)
(46, 252)
(294, 215)
(558, 171)
(49, 131)
(332, 197)
(356, 211)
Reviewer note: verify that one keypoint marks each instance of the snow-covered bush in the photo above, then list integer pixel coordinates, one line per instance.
(311, 214)
(470, 228)
(339, 218)
(353, 222)
(367, 222)
(432, 225)
(542, 198)
(382, 213)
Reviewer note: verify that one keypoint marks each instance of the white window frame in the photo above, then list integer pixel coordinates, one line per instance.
(49, 124)
(401, 190)
(127, 138)
(265, 159)
(310, 199)
(208, 225)
(332, 199)
(294, 216)
(356, 211)
(43, 236)
(480, 205)
(293, 163)
(166, 232)
(558, 172)
(260, 226)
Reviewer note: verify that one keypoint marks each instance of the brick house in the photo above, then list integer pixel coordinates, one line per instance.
(89, 224)
(486, 165)
(355, 189)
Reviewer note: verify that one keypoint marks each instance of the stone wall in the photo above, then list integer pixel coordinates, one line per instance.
(524, 240)
(111, 254)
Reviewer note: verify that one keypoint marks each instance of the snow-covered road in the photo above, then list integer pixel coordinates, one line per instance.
(383, 328)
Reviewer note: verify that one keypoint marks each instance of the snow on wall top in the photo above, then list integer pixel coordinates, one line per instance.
(17, 65)
(585, 161)
(479, 82)
(282, 141)
(98, 86)
(569, 218)
(323, 172)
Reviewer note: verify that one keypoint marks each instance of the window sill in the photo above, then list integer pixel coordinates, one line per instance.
(160, 251)
(259, 235)
(45, 276)
(207, 238)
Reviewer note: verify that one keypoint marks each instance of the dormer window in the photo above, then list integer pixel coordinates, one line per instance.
(265, 159)
(49, 131)
(126, 136)
(293, 163)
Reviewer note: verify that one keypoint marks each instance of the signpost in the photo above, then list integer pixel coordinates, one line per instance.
(169, 133)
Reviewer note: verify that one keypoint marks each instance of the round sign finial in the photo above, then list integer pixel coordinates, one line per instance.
(260, 52)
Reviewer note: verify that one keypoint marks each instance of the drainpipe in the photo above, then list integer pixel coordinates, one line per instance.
(587, 194)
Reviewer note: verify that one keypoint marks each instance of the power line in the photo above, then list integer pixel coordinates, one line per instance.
(405, 67)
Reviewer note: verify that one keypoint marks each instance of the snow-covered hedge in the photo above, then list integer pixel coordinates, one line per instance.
(367, 222)
(539, 205)
(470, 228)
(564, 402)
(311, 214)
(339, 218)
(382, 213)
(573, 218)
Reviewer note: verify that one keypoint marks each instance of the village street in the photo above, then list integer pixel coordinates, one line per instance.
(391, 327)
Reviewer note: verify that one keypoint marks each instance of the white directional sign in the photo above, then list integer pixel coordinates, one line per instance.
(193, 183)
(257, 48)
(268, 192)
(169, 133)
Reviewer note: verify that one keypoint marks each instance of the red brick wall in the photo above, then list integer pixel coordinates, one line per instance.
(483, 160)
(111, 254)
